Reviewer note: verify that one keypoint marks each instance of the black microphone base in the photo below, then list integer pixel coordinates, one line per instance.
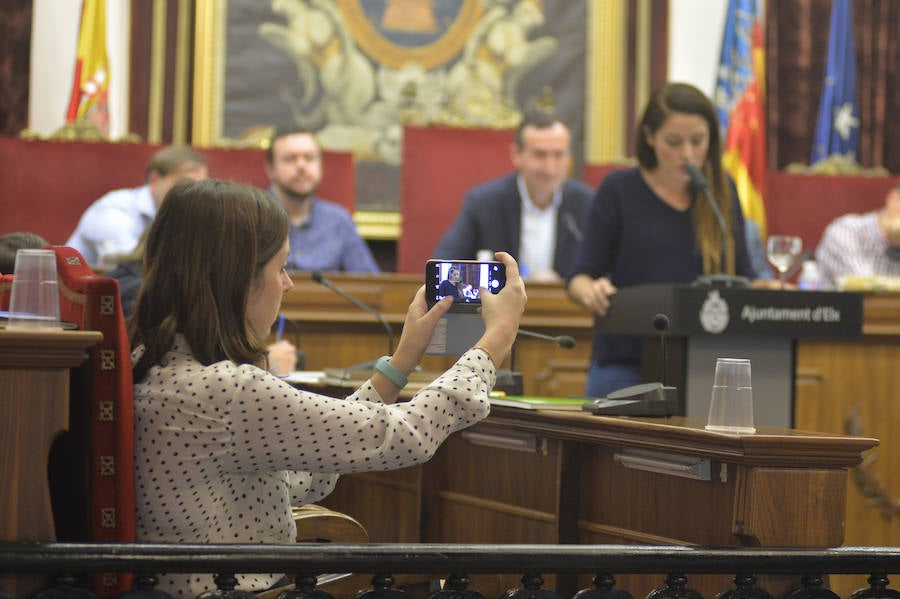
(721, 281)
(647, 399)
(509, 382)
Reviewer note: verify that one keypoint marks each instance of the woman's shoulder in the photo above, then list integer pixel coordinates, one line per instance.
(630, 175)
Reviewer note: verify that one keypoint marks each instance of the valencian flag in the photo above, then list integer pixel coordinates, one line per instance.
(837, 130)
(739, 97)
(90, 88)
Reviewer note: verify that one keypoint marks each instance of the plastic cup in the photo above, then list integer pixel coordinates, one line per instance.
(34, 299)
(731, 408)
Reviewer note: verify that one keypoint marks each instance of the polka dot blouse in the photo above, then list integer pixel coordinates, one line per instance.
(223, 451)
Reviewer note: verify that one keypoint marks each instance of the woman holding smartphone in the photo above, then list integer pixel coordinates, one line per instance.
(223, 448)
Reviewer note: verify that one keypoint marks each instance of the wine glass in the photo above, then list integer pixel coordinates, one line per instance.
(783, 251)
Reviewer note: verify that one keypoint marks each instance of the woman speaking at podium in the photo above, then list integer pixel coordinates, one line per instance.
(223, 448)
(650, 224)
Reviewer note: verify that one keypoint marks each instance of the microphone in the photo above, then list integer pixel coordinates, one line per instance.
(572, 226)
(318, 277)
(661, 324)
(508, 379)
(564, 341)
(701, 185)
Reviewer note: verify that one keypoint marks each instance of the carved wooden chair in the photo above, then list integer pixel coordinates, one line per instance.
(91, 466)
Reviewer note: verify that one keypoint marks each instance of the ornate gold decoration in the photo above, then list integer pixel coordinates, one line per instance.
(107, 465)
(105, 411)
(256, 137)
(110, 579)
(374, 43)
(605, 120)
(73, 261)
(107, 305)
(108, 517)
(837, 164)
(867, 481)
(378, 225)
(78, 131)
(107, 359)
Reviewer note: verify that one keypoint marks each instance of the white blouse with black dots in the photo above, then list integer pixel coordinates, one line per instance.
(223, 451)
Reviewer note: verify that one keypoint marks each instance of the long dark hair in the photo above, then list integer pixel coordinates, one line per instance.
(206, 247)
(687, 99)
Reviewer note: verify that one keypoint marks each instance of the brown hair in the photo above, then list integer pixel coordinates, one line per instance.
(687, 99)
(206, 247)
(286, 132)
(537, 119)
(11, 243)
(172, 158)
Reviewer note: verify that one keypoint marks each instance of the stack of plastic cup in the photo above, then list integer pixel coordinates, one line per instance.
(731, 408)
(34, 300)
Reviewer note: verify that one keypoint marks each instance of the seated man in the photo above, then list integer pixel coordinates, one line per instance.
(862, 244)
(11, 243)
(533, 214)
(323, 235)
(113, 224)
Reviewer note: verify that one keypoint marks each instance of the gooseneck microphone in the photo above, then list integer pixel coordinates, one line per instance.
(700, 184)
(661, 324)
(318, 277)
(508, 379)
(563, 341)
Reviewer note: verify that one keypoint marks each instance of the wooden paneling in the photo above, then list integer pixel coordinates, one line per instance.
(841, 386)
(852, 386)
(34, 387)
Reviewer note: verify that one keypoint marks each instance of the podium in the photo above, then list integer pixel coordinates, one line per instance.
(761, 325)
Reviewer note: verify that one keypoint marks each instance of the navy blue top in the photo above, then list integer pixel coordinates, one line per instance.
(633, 237)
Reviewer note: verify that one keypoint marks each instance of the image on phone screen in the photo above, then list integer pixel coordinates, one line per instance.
(461, 279)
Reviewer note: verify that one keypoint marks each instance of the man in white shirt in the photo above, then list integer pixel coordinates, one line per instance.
(113, 224)
(862, 245)
(533, 214)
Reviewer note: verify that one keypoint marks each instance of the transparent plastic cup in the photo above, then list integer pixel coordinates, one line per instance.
(34, 299)
(731, 408)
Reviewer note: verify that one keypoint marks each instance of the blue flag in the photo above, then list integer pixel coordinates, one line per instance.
(837, 129)
(736, 59)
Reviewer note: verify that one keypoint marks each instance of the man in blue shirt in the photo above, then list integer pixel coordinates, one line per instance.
(112, 225)
(323, 235)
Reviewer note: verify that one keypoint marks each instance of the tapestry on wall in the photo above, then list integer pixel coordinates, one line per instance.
(356, 70)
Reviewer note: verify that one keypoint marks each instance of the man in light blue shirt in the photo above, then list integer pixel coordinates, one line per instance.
(323, 235)
(112, 225)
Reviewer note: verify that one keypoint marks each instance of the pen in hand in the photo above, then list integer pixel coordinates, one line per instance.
(280, 331)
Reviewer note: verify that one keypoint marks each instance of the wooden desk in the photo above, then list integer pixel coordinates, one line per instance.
(853, 386)
(841, 386)
(567, 477)
(34, 409)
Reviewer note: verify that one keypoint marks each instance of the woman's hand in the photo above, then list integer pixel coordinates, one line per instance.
(502, 312)
(282, 357)
(418, 328)
(593, 294)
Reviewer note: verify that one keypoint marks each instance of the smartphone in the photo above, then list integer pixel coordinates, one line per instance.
(461, 279)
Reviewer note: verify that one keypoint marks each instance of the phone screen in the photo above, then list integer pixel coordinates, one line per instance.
(461, 280)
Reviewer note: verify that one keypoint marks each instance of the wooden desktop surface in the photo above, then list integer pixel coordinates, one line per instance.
(842, 386)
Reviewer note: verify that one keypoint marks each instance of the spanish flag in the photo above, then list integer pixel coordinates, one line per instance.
(89, 101)
(740, 98)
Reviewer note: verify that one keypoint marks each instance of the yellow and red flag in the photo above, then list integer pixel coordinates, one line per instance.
(89, 101)
(740, 100)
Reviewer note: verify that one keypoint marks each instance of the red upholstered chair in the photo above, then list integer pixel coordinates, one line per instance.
(91, 466)
(439, 166)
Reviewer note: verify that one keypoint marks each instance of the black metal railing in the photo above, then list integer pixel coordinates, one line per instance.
(64, 563)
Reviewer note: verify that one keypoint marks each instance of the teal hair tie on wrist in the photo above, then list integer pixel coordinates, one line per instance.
(384, 366)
